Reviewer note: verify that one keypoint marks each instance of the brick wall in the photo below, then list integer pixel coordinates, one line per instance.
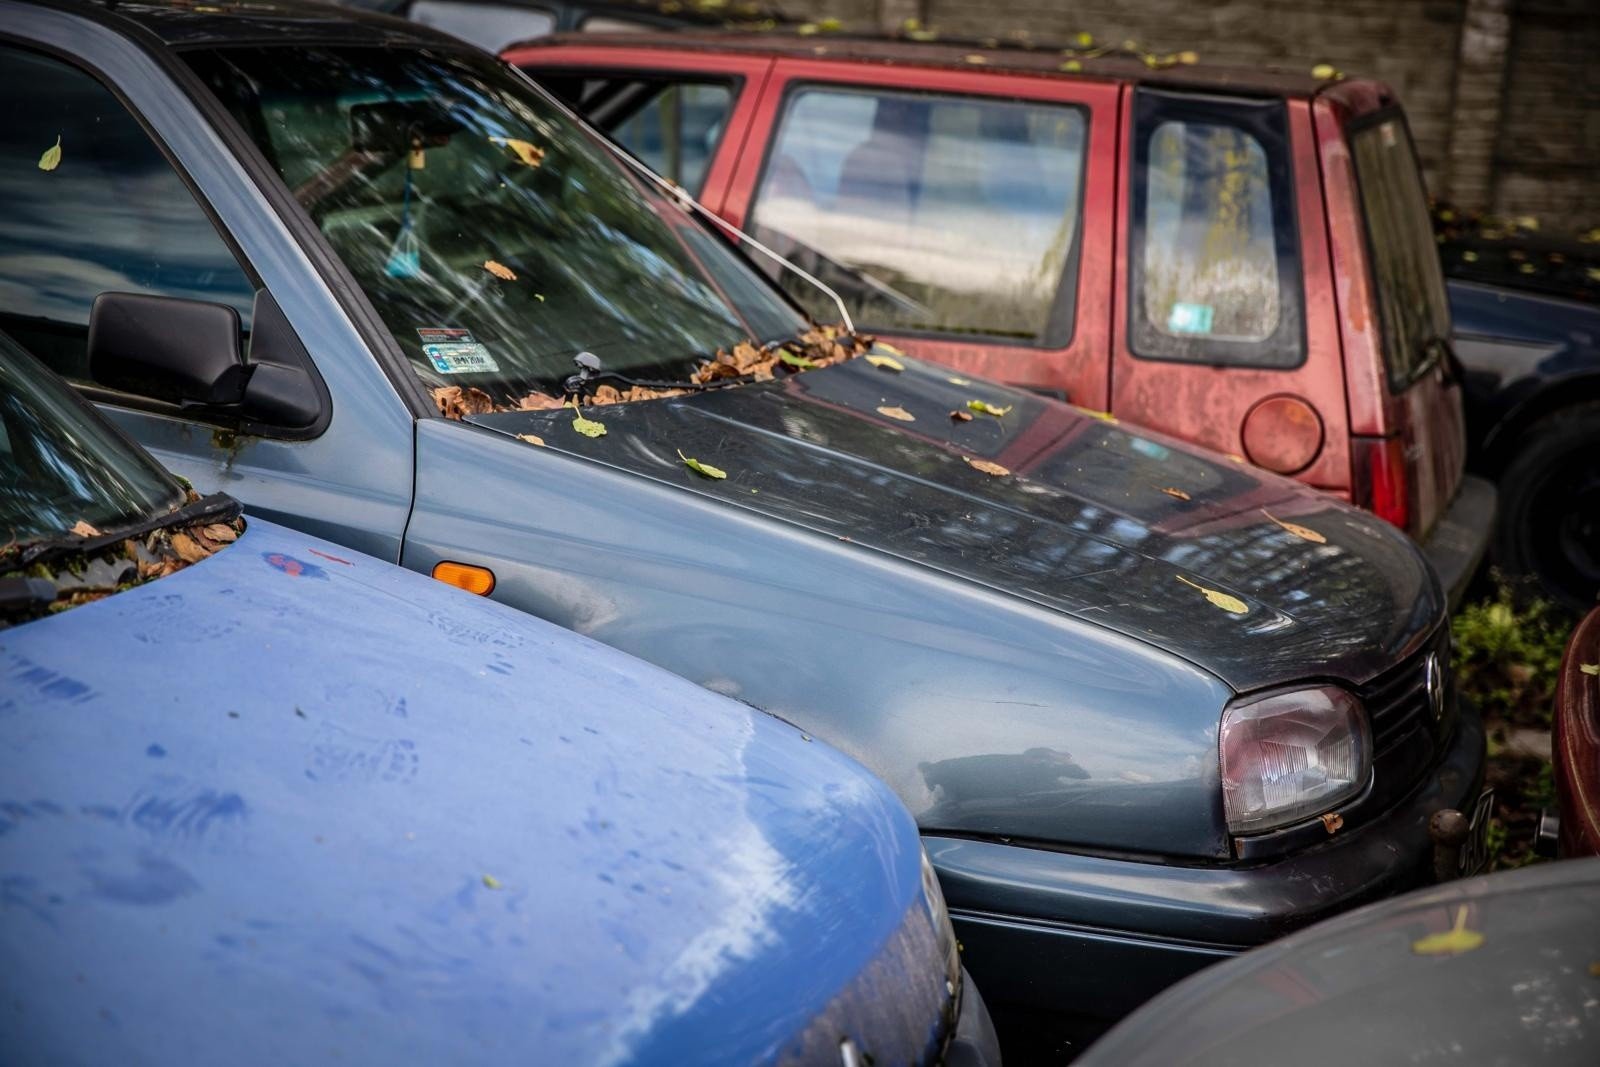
(1503, 95)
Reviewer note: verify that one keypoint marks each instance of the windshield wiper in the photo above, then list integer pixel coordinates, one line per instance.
(24, 596)
(591, 373)
(218, 507)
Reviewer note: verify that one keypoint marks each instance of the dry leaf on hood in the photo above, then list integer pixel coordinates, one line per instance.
(587, 427)
(456, 402)
(530, 154)
(702, 468)
(886, 363)
(1453, 942)
(961, 416)
(188, 549)
(986, 466)
(1592, 669)
(983, 407)
(83, 529)
(1231, 604)
(220, 531)
(1305, 533)
(792, 360)
(539, 402)
(1103, 416)
(531, 438)
(1174, 492)
(52, 156)
(500, 270)
(899, 413)
(953, 380)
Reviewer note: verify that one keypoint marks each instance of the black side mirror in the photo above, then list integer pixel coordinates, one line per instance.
(182, 351)
(187, 352)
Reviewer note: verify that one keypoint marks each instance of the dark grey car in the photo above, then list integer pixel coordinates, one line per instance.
(1149, 706)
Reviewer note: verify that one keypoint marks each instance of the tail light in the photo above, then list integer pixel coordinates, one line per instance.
(1290, 755)
(1383, 479)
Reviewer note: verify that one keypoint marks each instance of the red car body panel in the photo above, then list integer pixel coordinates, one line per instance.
(1577, 742)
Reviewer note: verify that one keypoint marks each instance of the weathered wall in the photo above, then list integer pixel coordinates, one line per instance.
(1503, 95)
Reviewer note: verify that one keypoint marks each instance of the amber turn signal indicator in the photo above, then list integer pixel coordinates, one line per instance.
(478, 580)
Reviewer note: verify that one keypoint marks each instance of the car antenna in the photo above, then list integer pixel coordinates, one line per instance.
(688, 202)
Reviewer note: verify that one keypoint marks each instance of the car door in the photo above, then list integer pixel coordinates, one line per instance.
(684, 114)
(144, 197)
(962, 215)
(1227, 332)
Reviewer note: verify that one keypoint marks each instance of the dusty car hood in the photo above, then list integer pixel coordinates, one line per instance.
(300, 802)
(1114, 525)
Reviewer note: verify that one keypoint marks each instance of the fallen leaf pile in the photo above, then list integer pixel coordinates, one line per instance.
(820, 346)
(89, 576)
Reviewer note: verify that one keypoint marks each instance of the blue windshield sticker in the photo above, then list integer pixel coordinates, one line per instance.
(453, 351)
(1190, 318)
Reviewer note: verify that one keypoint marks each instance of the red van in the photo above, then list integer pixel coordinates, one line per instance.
(1241, 258)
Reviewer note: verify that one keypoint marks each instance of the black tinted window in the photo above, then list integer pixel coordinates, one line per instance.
(1215, 262)
(111, 215)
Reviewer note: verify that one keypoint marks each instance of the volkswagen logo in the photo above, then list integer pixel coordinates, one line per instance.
(1433, 682)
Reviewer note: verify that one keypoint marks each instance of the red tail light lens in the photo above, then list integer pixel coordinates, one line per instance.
(1290, 755)
(1382, 482)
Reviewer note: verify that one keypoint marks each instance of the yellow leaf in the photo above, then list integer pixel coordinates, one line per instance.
(1453, 942)
(807, 29)
(52, 156)
(500, 270)
(976, 60)
(957, 381)
(1072, 66)
(491, 882)
(1083, 40)
(886, 363)
(530, 154)
(1236, 457)
(1470, 257)
(1592, 669)
(1231, 604)
(587, 427)
(1103, 416)
(790, 359)
(889, 348)
(986, 467)
(1324, 71)
(702, 468)
(831, 25)
(983, 407)
(531, 438)
(1171, 491)
(1188, 58)
(897, 413)
(1305, 533)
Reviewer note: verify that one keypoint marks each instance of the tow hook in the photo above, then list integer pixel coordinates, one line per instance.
(1449, 829)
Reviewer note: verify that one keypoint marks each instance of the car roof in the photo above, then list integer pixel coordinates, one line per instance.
(232, 22)
(1017, 57)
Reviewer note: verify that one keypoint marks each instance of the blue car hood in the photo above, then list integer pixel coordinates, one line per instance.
(301, 804)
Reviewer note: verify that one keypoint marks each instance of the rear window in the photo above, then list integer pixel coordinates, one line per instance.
(672, 124)
(1215, 264)
(1412, 305)
(929, 213)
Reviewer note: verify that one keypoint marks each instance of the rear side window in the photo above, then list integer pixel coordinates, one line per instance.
(111, 215)
(1412, 304)
(672, 125)
(1214, 250)
(939, 214)
(489, 26)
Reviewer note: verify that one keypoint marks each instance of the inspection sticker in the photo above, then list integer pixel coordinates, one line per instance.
(453, 351)
(1190, 318)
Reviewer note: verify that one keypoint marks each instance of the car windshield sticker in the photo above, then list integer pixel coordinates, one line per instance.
(453, 351)
(1189, 318)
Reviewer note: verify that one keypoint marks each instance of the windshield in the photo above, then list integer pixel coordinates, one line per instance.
(496, 238)
(60, 465)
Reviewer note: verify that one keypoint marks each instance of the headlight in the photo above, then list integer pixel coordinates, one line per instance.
(1289, 755)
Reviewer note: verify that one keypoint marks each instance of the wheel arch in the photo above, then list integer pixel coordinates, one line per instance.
(1504, 439)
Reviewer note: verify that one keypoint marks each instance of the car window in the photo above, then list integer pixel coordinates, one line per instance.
(672, 124)
(489, 26)
(1412, 304)
(61, 465)
(947, 214)
(1215, 268)
(495, 238)
(110, 215)
(610, 24)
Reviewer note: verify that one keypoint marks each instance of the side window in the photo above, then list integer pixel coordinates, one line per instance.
(945, 214)
(672, 125)
(1412, 305)
(1214, 248)
(111, 215)
(489, 26)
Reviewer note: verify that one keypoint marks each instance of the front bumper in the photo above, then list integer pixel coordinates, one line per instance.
(1092, 937)
(1457, 543)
